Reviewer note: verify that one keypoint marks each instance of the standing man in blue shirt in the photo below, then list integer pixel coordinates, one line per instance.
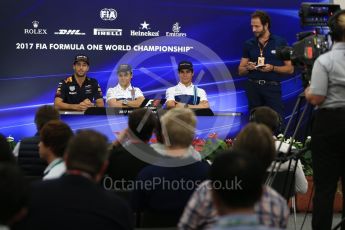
(264, 69)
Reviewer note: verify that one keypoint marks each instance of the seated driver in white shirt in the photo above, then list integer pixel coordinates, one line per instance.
(185, 94)
(124, 95)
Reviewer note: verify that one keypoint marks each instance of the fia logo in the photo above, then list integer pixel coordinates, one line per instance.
(108, 14)
(176, 28)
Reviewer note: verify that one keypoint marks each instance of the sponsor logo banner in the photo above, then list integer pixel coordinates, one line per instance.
(68, 32)
(108, 14)
(35, 29)
(144, 31)
(107, 32)
(176, 31)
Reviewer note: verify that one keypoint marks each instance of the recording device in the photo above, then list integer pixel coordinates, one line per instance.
(310, 44)
(317, 14)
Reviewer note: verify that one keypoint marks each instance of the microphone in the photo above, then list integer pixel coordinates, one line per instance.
(283, 53)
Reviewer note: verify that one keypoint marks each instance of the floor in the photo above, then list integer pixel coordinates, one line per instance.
(307, 224)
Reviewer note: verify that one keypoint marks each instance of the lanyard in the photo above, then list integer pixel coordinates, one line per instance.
(133, 93)
(261, 47)
(77, 172)
(195, 95)
(51, 167)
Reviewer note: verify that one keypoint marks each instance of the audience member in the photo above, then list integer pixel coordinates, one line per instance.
(236, 180)
(14, 195)
(54, 139)
(174, 180)
(75, 200)
(131, 152)
(27, 149)
(159, 146)
(267, 116)
(271, 209)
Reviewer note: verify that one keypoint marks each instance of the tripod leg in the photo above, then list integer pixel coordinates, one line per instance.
(293, 201)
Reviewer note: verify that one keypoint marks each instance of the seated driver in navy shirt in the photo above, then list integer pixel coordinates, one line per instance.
(78, 92)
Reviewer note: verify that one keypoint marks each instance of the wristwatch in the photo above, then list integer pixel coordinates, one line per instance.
(125, 102)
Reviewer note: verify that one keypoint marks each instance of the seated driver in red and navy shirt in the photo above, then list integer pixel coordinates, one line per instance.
(78, 92)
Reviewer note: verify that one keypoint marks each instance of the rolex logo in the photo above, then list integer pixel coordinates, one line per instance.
(35, 24)
(35, 30)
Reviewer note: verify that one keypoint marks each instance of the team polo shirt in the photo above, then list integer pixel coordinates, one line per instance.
(191, 94)
(70, 92)
(118, 93)
(251, 50)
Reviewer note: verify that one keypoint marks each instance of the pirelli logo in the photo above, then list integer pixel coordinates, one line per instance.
(107, 32)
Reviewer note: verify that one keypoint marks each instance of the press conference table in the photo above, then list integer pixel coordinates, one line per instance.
(110, 121)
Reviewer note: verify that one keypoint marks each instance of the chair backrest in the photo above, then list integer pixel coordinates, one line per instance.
(31, 179)
(126, 195)
(284, 183)
(158, 220)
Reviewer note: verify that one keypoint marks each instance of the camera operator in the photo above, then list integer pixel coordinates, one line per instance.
(327, 92)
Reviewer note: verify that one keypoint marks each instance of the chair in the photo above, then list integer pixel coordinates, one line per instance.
(284, 183)
(31, 179)
(125, 195)
(148, 219)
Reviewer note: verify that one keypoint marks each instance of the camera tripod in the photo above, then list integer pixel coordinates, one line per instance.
(287, 179)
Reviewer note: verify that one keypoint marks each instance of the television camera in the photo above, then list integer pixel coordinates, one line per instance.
(310, 44)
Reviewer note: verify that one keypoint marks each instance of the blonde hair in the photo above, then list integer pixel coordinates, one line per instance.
(178, 127)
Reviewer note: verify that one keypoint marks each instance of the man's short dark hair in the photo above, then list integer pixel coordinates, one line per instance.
(87, 151)
(336, 24)
(14, 192)
(56, 134)
(230, 167)
(263, 16)
(141, 123)
(44, 114)
(267, 116)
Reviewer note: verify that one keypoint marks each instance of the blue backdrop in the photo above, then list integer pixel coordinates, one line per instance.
(39, 40)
